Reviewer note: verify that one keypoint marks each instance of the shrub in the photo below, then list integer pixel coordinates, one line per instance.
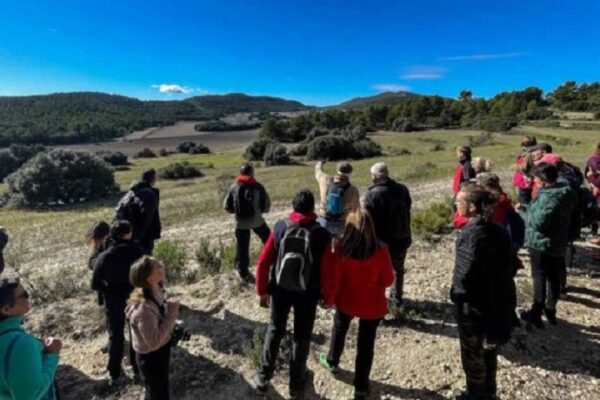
(16, 155)
(330, 148)
(485, 139)
(256, 150)
(145, 153)
(163, 152)
(173, 256)
(433, 220)
(182, 170)
(254, 350)
(60, 177)
(299, 150)
(403, 125)
(199, 149)
(276, 154)
(366, 148)
(115, 158)
(208, 259)
(496, 124)
(438, 147)
(184, 147)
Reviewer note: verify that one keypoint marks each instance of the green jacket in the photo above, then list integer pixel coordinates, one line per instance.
(30, 373)
(548, 219)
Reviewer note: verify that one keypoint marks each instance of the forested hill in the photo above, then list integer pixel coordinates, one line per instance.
(383, 99)
(87, 116)
(239, 102)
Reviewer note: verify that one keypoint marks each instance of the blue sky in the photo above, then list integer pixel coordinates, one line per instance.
(319, 52)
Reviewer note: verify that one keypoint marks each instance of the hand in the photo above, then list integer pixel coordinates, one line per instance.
(173, 307)
(265, 301)
(52, 346)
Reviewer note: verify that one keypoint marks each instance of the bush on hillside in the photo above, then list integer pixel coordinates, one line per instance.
(182, 170)
(433, 220)
(16, 155)
(199, 149)
(299, 150)
(164, 152)
(366, 148)
(59, 177)
(173, 256)
(276, 154)
(256, 150)
(114, 158)
(184, 147)
(339, 147)
(496, 124)
(403, 125)
(145, 153)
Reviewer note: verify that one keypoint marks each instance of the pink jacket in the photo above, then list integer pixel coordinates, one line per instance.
(149, 329)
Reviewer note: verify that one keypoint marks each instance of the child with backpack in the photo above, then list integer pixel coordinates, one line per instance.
(289, 277)
(338, 197)
(358, 273)
(248, 200)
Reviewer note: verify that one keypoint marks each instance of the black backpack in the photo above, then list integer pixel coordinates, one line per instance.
(571, 175)
(243, 201)
(293, 268)
(334, 202)
(129, 208)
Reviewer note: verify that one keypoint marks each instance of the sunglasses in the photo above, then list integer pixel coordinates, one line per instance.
(24, 295)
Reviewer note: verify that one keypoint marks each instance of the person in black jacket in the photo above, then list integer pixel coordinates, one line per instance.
(147, 226)
(111, 279)
(389, 204)
(3, 241)
(482, 291)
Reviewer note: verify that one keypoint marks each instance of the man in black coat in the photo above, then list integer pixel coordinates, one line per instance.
(147, 226)
(389, 204)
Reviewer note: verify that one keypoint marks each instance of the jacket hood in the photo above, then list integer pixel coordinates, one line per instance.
(302, 219)
(135, 186)
(245, 179)
(383, 182)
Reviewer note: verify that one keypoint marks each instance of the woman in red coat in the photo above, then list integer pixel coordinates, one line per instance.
(358, 273)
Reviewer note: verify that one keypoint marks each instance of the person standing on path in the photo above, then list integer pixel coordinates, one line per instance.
(389, 204)
(289, 276)
(482, 291)
(3, 242)
(547, 237)
(355, 279)
(338, 197)
(111, 280)
(248, 200)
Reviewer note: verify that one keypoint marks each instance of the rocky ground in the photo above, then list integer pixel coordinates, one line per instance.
(417, 358)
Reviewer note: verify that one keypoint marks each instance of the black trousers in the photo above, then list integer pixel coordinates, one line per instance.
(154, 371)
(114, 307)
(242, 255)
(305, 309)
(397, 289)
(367, 331)
(546, 273)
(479, 363)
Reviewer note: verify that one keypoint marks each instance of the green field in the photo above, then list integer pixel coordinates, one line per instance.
(39, 237)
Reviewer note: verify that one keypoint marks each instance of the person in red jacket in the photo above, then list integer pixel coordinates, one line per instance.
(464, 171)
(288, 276)
(355, 279)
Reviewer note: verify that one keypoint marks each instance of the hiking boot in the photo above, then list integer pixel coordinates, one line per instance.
(296, 390)
(532, 318)
(117, 382)
(248, 279)
(361, 394)
(333, 369)
(550, 316)
(261, 384)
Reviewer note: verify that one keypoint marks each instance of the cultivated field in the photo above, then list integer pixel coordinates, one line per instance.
(416, 359)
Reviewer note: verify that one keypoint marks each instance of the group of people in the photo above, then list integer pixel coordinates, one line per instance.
(341, 251)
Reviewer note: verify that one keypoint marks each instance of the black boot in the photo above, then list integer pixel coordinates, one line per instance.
(550, 316)
(532, 317)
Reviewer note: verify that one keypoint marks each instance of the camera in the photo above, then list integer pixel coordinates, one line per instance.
(180, 334)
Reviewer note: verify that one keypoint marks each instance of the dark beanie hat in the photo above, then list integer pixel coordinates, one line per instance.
(344, 168)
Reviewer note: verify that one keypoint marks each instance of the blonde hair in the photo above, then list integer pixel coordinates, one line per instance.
(481, 164)
(359, 240)
(139, 274)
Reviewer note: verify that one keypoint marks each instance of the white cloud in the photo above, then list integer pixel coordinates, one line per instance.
(391, 87)
(172, 88)
(425, 72)
(482, 57)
